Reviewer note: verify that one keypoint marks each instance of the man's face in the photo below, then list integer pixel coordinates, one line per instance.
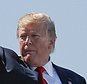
(35, 44)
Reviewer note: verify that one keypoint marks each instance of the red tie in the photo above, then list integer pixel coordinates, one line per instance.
(40, 70)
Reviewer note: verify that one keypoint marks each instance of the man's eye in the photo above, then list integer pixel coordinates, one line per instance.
(23, 37)
(35, 36)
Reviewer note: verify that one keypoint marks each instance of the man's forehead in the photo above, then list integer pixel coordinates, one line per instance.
(28, 30)
(33, 28)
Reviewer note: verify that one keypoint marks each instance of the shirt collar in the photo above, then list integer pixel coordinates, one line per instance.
(48, 67)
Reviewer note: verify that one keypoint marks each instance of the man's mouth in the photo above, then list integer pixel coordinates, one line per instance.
(30, 52)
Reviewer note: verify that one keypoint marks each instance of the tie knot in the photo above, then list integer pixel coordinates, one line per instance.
(40, 69)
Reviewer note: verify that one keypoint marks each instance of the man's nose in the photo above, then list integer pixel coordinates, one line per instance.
(28, 40)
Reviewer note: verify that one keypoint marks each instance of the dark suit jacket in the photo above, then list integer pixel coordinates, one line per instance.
(14, 71)
(68, 77)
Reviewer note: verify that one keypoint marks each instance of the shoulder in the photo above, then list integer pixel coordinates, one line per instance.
(69, 74)
(5, 52)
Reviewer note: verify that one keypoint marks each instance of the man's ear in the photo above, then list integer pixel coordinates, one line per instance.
(51, 43)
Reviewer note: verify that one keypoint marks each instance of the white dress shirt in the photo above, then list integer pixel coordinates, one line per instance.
(50, 74)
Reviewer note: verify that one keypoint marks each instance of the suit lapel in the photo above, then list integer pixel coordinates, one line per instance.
(62, 75)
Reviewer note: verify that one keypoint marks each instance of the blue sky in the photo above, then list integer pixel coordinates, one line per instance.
(70, 18)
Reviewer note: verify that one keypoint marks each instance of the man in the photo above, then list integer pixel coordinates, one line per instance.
(36, 35)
